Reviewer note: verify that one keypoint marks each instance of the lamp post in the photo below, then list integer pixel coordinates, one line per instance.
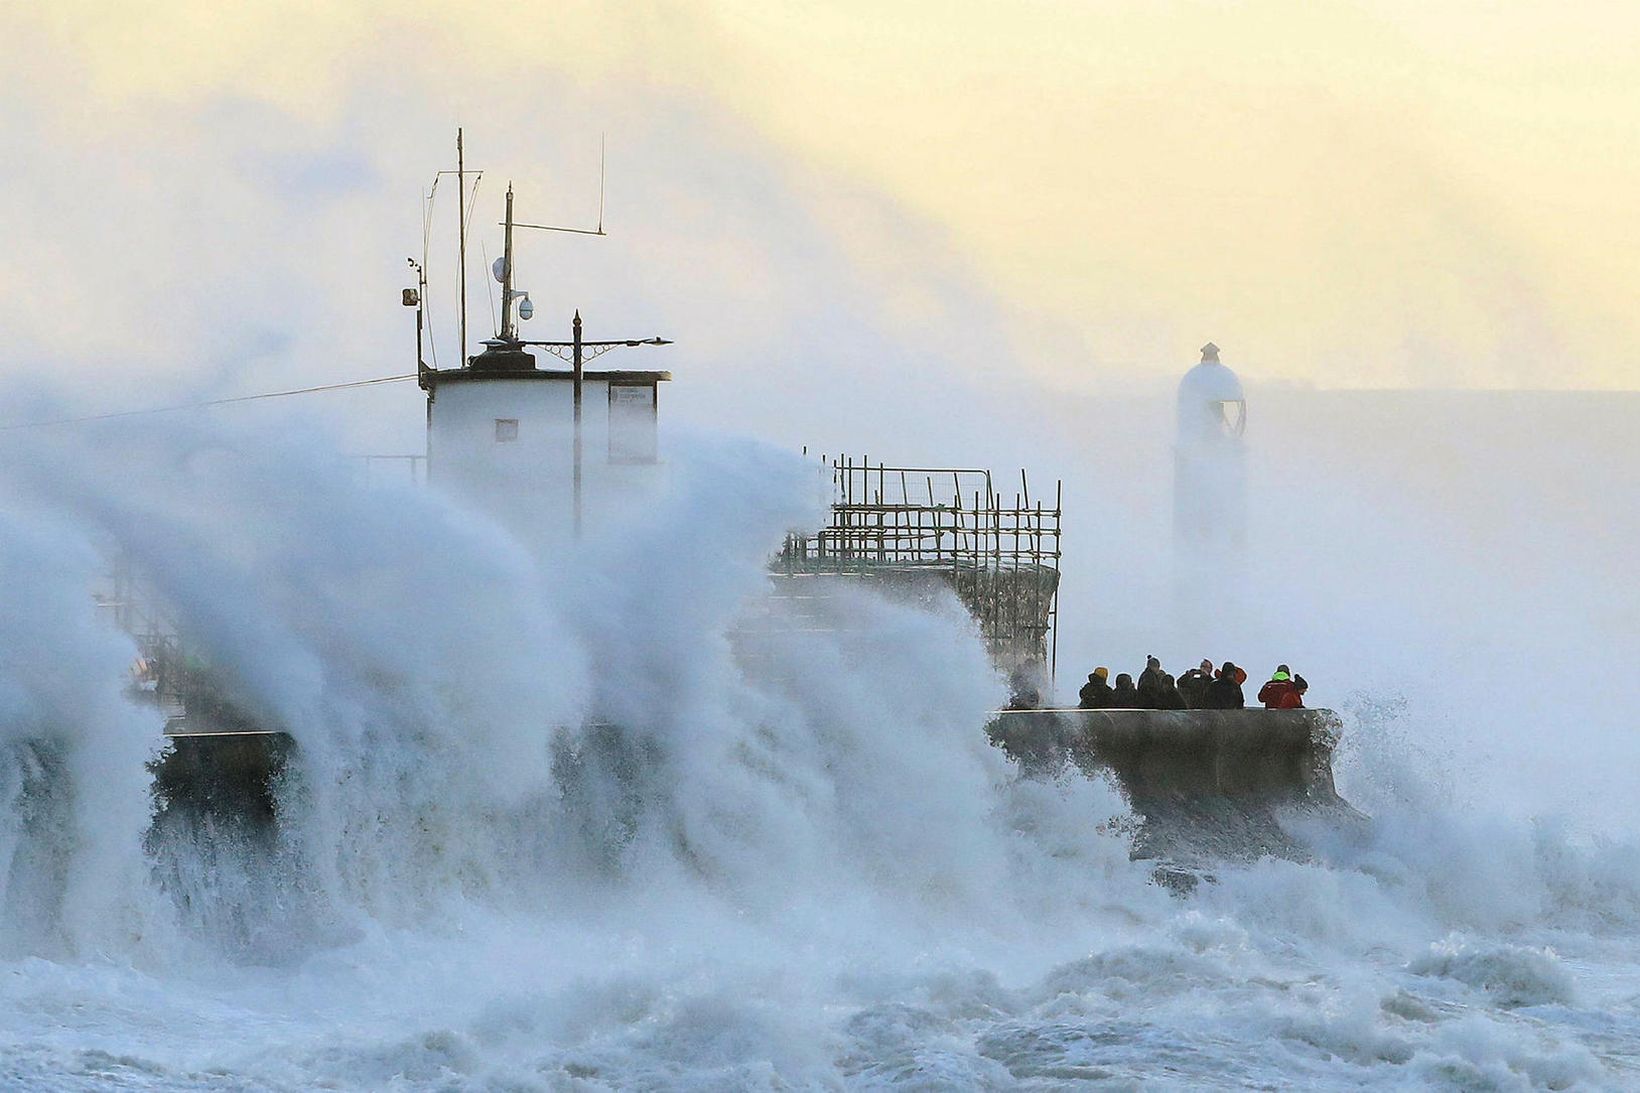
(578, 352)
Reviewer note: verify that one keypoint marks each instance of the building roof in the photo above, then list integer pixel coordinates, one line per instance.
(613, 375)
(433, 377)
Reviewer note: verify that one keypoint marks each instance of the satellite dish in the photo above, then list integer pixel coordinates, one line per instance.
(525, 308)
(499, 268)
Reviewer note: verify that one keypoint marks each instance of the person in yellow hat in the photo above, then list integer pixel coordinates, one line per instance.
(1096, 693)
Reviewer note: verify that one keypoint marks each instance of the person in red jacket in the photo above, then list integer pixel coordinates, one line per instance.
(1285, 691)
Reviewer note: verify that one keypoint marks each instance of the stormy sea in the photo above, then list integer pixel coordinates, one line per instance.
(574, 823)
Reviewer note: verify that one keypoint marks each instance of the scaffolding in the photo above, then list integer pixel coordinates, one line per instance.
(1000, 555)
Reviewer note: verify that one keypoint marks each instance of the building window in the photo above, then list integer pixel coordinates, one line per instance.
(506, 430)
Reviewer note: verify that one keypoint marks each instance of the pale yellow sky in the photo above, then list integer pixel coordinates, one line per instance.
(1346, 194)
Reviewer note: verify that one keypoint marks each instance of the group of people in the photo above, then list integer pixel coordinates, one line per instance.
(1203, 687)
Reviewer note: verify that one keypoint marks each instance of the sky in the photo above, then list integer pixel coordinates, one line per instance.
(1344, 195)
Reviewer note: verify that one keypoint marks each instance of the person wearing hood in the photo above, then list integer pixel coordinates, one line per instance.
(1285, 691)
(1171, 698)
(1096, 693)
(1124, 696)
(1194, 683)
(1150, 687)
(1225, 691)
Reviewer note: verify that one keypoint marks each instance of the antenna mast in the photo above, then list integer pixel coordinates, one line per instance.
(461, 236)
(507, 274)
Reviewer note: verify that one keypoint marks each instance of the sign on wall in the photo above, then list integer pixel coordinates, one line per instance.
(632, 423)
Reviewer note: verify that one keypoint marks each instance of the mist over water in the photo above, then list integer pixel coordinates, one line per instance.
(797, 862)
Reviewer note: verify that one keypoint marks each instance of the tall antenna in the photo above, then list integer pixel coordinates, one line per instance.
(600, 184)
(507, 273)
(461, 236)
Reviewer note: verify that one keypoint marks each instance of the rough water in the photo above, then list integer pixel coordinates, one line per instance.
(798, 864)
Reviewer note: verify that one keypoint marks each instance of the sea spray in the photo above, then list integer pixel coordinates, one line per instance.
(455, 701)
(74, 800)
(609, 819)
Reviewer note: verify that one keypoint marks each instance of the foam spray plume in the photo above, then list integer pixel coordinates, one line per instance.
(436, 680)
(590, 821)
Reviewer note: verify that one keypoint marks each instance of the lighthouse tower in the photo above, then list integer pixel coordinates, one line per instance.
(1209, 487)
(551, 453)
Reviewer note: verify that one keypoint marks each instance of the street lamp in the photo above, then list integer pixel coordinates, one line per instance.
(577, 352)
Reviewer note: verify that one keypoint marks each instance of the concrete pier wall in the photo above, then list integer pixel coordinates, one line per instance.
(223, 774)
(1202, 784)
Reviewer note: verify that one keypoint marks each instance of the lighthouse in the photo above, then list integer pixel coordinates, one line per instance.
(1209, 487)
(552, 454)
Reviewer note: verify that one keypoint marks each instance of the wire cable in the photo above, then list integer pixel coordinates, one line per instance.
(489, 287)
(208, 403)
(426, 244)
(472, 202)
(467, 225)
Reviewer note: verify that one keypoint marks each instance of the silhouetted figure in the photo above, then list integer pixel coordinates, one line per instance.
(1194, 683)
(1023, 693)
(1124, 696)
(1096, 693)
(1225, 691)
(1170, 696)
(1150, 685)
(1284, 691)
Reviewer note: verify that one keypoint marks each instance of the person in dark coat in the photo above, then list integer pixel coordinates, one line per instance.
(1124, 696)
(1225, 691)
(1096, 693)
(1150, 685)
(1171, 698)
(1194, 683)
(1284, 691)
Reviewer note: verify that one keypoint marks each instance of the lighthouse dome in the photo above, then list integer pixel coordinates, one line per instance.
(1211, 400)
(1211, 380)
